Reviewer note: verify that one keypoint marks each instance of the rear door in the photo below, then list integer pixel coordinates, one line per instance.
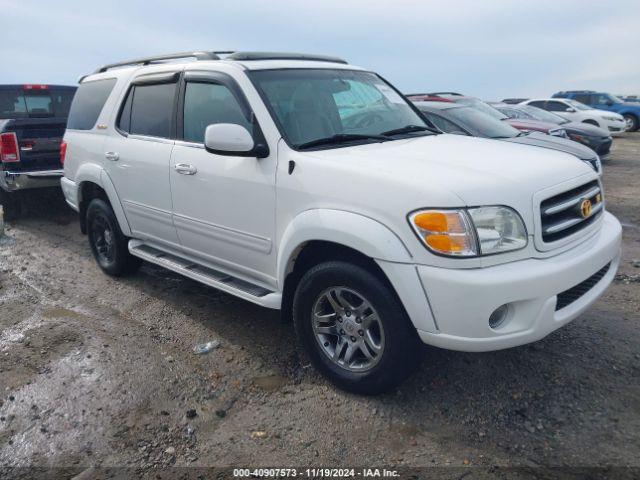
(138, 157)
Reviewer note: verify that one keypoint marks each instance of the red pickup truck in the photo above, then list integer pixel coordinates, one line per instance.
(32, 122)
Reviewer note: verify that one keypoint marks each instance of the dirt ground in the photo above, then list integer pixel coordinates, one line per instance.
(96, 371)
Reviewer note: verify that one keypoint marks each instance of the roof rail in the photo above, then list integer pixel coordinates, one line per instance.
(446, 93)
(243, 56)
(199, 55)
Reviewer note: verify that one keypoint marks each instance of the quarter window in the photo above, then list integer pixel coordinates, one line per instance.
(207, 104)
(88, 102)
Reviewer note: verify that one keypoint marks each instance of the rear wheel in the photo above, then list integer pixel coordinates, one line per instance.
(632, 122)
(108, 243)
(10, 205)
(354, 329)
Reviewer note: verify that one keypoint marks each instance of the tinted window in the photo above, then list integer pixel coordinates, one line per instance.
(539, 104)
(582, 98)
(151, 110)
(556, 106)
(24, 102)
(206, 104)
(88, 102)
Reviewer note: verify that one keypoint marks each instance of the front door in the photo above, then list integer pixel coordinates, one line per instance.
(223, 206)
(138, 160)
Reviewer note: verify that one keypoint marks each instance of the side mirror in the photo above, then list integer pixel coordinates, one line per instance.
(232, 139)
(570, 110)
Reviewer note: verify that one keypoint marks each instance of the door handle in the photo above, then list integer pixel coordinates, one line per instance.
(185, 169)
(113, 156)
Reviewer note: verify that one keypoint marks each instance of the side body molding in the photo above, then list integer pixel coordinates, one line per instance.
(361, 233)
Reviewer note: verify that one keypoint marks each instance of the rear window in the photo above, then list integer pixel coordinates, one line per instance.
(24, 102)
(148, 110)
(88, 102)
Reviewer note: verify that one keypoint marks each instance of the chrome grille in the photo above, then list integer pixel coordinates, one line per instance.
(566, 213)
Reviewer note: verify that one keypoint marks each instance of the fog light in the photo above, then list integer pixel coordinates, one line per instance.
(498, 316)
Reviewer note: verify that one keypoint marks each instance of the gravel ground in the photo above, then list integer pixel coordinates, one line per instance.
(96, 371)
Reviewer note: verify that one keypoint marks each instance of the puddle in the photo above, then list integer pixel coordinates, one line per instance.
(270, 383)
(60, 312)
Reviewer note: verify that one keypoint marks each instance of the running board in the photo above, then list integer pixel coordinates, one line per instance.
(214, 278)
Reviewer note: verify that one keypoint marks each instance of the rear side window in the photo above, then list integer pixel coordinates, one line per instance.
(556, 106)
(539, 104)
(148, 110)
(88, 102)
(586, 99)
(206, 104)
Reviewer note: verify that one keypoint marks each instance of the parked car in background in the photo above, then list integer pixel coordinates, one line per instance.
(32, 123)
(596, 138)
(520, 124)
(629, 98)
(466, 120)
(605, 101)
(334, 200)
(579, 112)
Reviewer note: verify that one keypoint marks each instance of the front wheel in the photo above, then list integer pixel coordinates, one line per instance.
(632, 122)
(108, 243)
(354, 329)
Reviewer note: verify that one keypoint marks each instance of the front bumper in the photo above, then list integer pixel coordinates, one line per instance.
(462, 300)
(12, 181)
(616, 127)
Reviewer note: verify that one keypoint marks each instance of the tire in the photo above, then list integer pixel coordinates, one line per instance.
(397, 347)
(10, 204)
(632, 120)
(108, 244)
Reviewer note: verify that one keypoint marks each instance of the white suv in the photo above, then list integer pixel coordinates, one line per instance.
(309, 185)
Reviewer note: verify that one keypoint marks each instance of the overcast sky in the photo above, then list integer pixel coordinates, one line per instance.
(488, 48)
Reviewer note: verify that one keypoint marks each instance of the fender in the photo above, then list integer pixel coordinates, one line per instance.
(364, 234)
(90, 172)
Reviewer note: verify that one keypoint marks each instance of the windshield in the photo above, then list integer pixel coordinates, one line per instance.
(316, 104)
(542, 115)
(485, 125)
(577, 105)
(17, 102)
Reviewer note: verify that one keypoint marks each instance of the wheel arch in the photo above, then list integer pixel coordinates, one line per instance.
(94, 182)
(319, 235)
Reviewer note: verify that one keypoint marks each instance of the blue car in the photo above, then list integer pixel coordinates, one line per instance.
(605, 101)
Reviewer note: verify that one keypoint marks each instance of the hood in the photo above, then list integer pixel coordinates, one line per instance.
(555, 143)
(582, 128)
(478, 171)
(526, 124)
(606, 113)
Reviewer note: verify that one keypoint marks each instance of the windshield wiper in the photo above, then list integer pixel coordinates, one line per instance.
(408, 129)
(340, 138)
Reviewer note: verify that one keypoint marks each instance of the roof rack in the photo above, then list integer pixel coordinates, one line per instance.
(243, 56)
(200, 55)
(446, 93)
(577, 91)
(215, 55)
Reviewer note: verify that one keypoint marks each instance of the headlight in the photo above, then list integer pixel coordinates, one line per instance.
(470, 232)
